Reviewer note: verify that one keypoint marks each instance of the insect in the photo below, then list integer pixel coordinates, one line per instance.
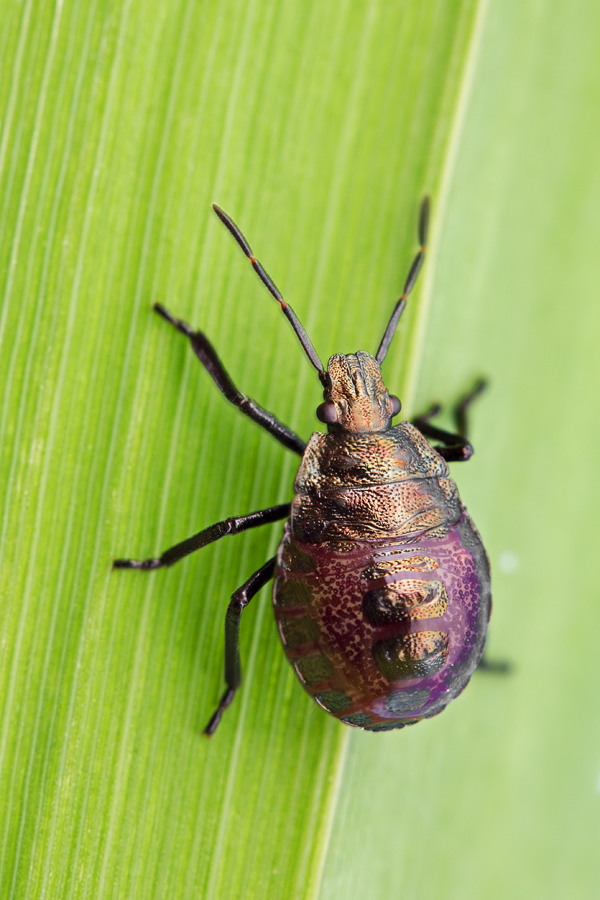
(381, 587)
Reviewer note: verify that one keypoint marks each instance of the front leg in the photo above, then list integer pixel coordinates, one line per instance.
(207, 355)
(457, 447)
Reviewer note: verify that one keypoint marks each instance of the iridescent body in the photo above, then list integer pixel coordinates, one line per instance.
(382, 584)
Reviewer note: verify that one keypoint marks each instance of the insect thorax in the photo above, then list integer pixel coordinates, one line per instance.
(371, 486)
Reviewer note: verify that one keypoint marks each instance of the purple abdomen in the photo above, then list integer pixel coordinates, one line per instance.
(382, 629)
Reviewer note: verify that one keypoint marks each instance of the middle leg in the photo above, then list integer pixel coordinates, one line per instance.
(229, 526)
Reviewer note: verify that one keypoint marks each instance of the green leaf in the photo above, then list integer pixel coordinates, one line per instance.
(498, 797)
(318, 126)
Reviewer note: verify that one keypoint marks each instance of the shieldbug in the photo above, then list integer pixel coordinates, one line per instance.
(381, 582)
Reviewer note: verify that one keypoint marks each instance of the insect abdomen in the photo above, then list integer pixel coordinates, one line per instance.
(382, 628)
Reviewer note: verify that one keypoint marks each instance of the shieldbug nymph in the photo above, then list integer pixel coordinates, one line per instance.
(381, 587)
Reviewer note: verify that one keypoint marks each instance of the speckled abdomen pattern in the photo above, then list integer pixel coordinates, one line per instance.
(384, 621)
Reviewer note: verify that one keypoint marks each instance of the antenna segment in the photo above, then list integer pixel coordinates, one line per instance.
(271, 286)
(409, 284)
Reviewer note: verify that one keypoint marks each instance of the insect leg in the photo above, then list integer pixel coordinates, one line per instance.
(207, 355)
(233, 671)
(230, 526)
(496, 667)
(460, 410)
(457, 447)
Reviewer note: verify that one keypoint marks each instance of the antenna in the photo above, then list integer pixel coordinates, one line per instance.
(409, 284)
(270, 285)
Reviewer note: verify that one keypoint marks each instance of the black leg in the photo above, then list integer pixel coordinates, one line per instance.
(207, 355)
(495, 667)
(233, 670)
(460, 410)
(457, 447)
(230, 526)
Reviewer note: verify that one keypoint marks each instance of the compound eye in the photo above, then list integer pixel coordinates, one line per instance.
(396, 405)
(327, 413)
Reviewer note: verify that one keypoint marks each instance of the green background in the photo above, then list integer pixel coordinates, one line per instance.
(318, 126)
